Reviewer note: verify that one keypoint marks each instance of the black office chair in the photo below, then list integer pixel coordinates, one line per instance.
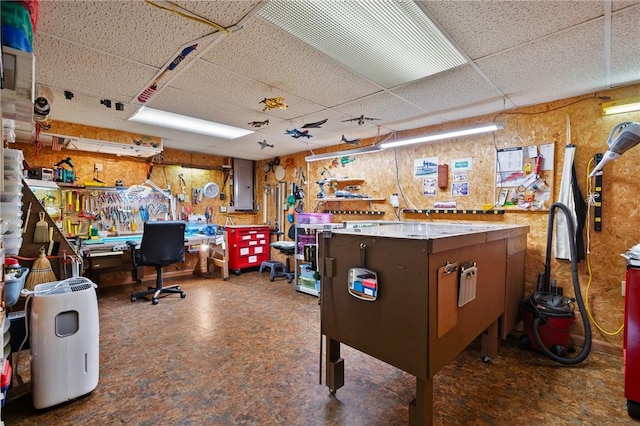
(162, 244)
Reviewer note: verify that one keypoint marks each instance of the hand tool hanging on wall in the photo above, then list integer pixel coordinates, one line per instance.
(26, 219)
(41, 234)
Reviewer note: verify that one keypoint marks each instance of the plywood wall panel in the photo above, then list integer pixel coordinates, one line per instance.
(163, 172)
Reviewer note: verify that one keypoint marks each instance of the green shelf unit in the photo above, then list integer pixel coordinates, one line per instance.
(453, 211)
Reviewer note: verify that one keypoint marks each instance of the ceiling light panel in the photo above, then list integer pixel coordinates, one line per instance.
(389, 42)
(156, 117)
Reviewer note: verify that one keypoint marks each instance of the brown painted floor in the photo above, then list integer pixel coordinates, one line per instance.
(245, 351)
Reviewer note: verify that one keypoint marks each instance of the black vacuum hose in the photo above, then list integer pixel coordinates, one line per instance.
(586, 348)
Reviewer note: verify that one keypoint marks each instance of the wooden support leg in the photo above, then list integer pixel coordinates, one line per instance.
(421, 408)
(490, 342)
(215, 262)
(335, 366)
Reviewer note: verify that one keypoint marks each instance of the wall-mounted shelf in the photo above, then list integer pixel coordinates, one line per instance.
(350, 181)
(356, 212)
(338, 199)
(339, 183)
(371, 200)
(452, 211)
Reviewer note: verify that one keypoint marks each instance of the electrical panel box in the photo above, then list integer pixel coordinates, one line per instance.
(243, 185)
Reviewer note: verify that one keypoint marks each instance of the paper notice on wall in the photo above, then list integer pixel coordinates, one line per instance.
(460, 189)
(547, 152)
(462, 164)
(510, 159)
(425, 166)
(429, 187)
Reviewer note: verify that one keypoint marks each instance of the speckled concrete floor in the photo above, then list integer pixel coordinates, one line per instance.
(246, 351)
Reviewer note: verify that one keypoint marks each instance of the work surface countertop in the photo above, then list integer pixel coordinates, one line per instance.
(421, 230)
(119, 243)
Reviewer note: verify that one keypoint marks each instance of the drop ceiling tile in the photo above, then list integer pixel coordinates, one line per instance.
(223, 13)
(226, 111)
(416, 122)
(268, 55)
(87, 71)
(385, 106)
(221, 84)
(494, 106)
(134, 30)
(197, 106)
(568, 64)
(450, 90)
(87, 110)
(482, 28)
(625, 46)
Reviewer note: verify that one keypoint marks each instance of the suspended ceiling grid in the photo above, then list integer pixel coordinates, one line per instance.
(521, 53)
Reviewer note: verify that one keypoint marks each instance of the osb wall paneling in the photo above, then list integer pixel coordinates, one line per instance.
(133, 171)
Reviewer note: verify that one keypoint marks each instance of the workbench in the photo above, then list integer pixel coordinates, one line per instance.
(408, 313)
(111, 254)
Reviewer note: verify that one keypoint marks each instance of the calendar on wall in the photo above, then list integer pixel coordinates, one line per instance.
(524, 177)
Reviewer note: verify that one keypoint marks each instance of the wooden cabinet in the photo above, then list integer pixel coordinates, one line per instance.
(248, 246)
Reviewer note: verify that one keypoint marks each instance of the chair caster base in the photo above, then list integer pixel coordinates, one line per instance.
(154, 301)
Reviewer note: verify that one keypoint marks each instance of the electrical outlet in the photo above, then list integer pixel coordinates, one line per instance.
(394, 200)
(223, 209)
(98, 167)
(624, 286)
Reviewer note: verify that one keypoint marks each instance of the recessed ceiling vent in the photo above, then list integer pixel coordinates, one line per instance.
(388, 42)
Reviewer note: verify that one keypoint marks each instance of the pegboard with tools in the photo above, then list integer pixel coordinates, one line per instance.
(110, 210)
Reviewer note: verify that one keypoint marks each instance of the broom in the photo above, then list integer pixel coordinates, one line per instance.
(41, 272)
(41, 234)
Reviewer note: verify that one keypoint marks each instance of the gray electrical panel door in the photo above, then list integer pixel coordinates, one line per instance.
(243, 178)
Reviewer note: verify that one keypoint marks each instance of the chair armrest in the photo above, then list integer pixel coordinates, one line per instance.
(132, 248)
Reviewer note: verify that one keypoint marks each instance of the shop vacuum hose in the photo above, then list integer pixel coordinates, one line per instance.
(539, 321)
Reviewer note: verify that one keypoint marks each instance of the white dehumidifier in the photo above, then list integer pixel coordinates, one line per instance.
(64, 341)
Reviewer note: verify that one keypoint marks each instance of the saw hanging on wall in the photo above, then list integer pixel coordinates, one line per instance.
(151, 90)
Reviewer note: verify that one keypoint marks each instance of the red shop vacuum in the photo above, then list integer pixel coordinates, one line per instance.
(547, 315)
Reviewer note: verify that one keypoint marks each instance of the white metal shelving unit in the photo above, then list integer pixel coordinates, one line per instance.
(300, 258)
(310, 229)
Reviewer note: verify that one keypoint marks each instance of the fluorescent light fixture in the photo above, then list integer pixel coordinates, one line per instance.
(624, 105)
(388, 42)
(170, 120)
(346, 153)
(483, 128)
